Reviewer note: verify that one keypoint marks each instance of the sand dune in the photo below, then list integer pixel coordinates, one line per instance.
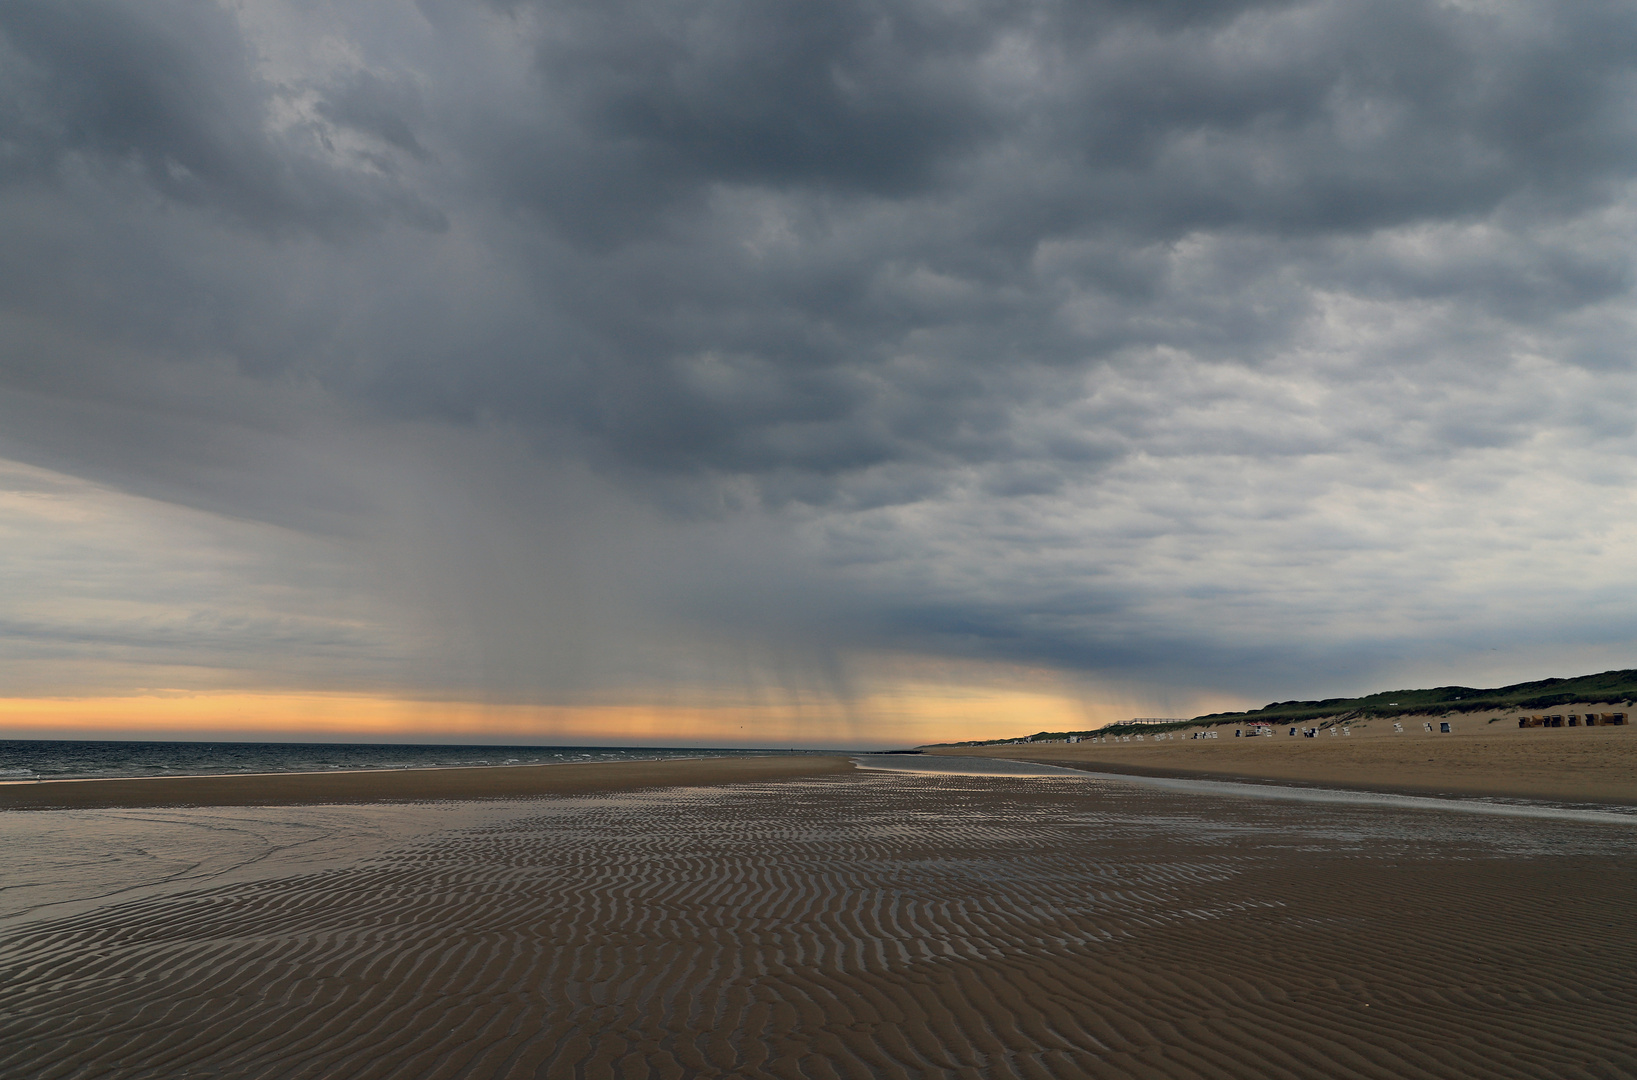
(1476, 758)
(871, 925)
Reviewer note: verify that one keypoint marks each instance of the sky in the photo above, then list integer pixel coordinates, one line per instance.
(879, 372)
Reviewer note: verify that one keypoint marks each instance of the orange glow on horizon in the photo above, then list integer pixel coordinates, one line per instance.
(901, 718)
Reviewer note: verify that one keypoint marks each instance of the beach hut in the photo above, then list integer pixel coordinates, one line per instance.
(1573, 720)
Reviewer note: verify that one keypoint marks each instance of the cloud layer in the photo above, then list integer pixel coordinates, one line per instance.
(639, 348)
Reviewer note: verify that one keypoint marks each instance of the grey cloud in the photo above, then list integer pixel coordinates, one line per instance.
(1023, 330)
(389, 110)
(1345, 121)
(856, 96)
(170, 90)
(1347, 116)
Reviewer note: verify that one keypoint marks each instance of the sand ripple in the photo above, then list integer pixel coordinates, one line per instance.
(870, 926)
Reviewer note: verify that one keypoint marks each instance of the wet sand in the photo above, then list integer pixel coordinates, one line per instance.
(496, 782)
(869, 925)
(1597, 765)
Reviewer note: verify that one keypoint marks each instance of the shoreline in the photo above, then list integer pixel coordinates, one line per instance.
(373, 769)
(1421, 791)
(459, 782)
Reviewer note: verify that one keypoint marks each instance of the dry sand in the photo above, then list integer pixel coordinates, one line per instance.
(495, 782)
(871, 925)
(1477, 758)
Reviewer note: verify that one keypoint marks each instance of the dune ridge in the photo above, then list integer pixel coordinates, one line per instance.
(871, 925)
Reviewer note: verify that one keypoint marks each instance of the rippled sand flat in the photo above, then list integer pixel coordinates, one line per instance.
(869, 925)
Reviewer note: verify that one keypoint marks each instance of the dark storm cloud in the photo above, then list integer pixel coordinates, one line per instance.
(959, 146)
(1155, 118)
(1043, 331)
(375, 106)
(844, 95)
(169, 90)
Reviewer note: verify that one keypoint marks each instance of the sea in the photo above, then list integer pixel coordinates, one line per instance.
(29, 760)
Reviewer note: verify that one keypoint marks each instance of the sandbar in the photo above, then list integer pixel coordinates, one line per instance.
(383, 785)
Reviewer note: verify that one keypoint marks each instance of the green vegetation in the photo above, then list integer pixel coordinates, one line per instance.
(1611, 686)
(1541, 694)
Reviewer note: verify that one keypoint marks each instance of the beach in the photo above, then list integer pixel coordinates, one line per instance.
(852, 924)
(340, 788)
(1476, 758)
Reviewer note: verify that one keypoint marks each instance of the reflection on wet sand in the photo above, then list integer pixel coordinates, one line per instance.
(1500, 807)
(959, 766)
